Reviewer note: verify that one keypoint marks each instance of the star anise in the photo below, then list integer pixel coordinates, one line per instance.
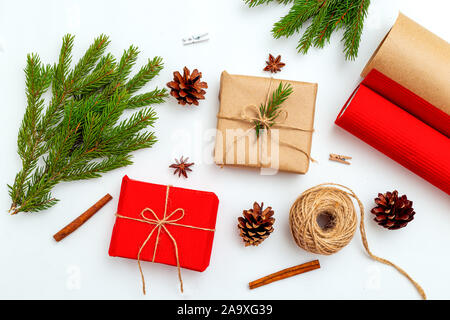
(181, 166)
(274, 64)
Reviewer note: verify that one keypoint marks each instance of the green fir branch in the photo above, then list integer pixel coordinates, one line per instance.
(299, 13)
(90, 58)
(315, 27)
(90, 170)
(354, 26)
(147, 73)
(62, 68)
(149, 98)
(123, 70)
(98, 79)
(254, 3)
(38, 79)
(78, 135)
(325, 16)
(272, 108)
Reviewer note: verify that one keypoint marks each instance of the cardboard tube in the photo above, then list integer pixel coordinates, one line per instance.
(417, 59)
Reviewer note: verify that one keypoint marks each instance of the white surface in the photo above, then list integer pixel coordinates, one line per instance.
(33, 265)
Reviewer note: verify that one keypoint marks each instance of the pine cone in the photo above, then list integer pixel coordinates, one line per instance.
(256, 225)
(393, 212)
(187, 88)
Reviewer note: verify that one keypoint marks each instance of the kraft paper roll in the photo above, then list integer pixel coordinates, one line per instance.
(417, 59)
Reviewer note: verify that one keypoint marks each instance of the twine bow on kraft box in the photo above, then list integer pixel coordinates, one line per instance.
(164, 224)
(285, 145)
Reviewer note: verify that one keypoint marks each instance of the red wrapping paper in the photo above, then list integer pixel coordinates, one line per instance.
(398, 134)
(194, 245)
(409, 101)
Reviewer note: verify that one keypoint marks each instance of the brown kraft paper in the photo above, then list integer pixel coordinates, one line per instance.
(417, 59)
(239, 91)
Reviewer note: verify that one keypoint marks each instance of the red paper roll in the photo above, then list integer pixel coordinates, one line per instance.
(409, 101)
(399, 135)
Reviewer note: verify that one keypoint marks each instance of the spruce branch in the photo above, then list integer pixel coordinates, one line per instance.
(147, 73)
(38, 78)
(145, 99)
(316, 26)
(326, 16)
(296, 17)
(354, 26)
(254, 3)
(123, 69)
(90, 58)
(78, 135)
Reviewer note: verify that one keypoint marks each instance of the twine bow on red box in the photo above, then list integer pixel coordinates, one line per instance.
(161, 224)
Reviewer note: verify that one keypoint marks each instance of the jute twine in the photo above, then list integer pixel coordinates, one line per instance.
(334, 201)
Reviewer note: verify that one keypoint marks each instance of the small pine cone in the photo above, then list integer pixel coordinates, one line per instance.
(256, 225)
(187, 88)
(393, 212)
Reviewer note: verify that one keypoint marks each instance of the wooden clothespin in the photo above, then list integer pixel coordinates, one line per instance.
(195, 38)
(340, 158)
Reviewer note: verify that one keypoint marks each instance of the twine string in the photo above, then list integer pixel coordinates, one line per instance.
(267, 124)
(161, 224)
(334, 200)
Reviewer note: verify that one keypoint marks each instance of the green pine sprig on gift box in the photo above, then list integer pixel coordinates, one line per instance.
(326, 16)
(270, 110)
(77, 134)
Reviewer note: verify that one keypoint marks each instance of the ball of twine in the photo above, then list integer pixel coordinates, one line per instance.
(331, 204)
(334, 203)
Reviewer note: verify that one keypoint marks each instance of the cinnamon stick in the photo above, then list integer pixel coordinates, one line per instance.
(285, 273)
(75, 224)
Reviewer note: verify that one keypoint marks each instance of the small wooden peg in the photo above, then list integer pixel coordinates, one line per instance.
(340, 158)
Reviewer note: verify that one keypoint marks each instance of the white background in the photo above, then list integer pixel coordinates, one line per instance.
(33, 265)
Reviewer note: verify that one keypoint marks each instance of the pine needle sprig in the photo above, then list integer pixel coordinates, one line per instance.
(272, 109)
(354, 23)
(254, 3)
(326, 16)
(79, 134)
(99, 78)
(299, 13)
(90, 58)
(147, 73)
(315, 28)
(38, 78)
(154, 97)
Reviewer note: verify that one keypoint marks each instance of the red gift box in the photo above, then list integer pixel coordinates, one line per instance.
(164, 224)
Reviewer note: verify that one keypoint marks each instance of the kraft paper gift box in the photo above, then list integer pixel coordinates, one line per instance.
(286, 146)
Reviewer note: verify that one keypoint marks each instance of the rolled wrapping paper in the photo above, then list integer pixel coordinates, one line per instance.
(409, 101)
(402, 107)
(419, 61)
(399, 135)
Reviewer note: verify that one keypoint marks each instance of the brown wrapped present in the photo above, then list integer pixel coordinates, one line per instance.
(285, 146)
